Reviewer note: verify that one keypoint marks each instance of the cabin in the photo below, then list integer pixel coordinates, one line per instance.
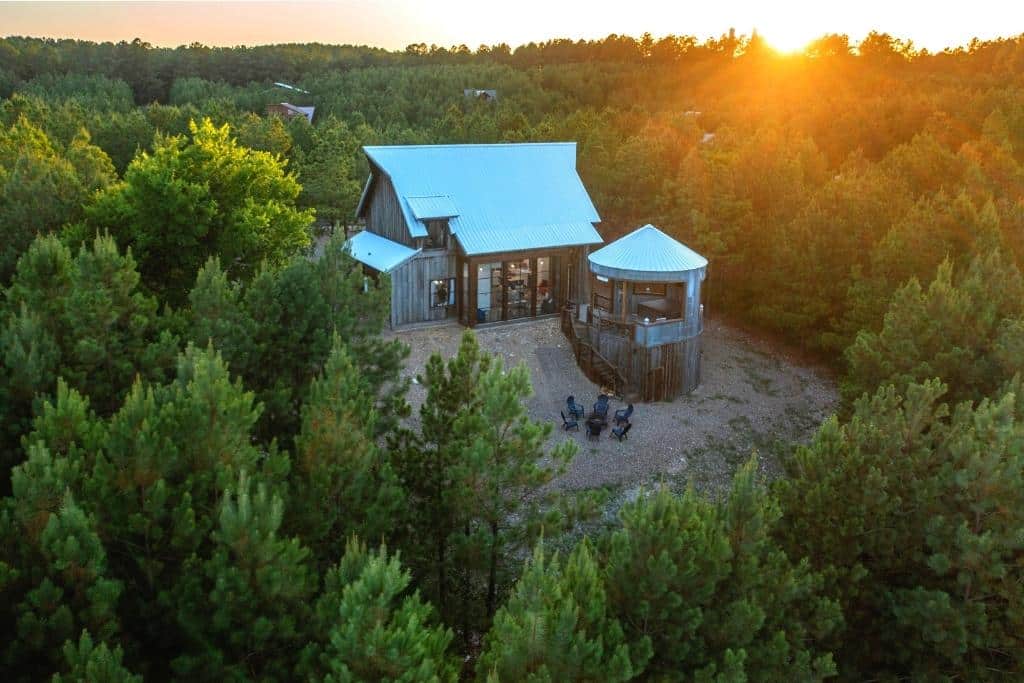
(484, 95)
(476, 233)
(290, 111)
(639, 331)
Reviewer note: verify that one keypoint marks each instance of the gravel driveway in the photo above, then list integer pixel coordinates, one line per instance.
(751, 398)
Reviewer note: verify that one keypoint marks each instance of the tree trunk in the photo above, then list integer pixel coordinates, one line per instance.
(492, 576)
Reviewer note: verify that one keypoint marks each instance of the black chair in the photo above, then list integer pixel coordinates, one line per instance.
(624, 414)
(594, 428)
(568, 424)
(621, 433)
(575, 409)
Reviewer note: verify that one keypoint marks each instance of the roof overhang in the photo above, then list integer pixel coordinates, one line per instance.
(647, 255)
(378, 252)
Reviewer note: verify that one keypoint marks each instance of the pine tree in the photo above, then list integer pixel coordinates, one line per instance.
(947, 330)
(83, 319)
(245, 607)
(376, 630)
(912, 513)
(556, 626)
(87, 662)
(343, 483)
(276, 333)
(473, 474)
(705, 588)
(58, 582)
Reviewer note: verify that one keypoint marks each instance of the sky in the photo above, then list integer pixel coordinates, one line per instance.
(393, 24)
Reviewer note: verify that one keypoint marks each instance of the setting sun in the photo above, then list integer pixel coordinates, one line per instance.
(788, 39)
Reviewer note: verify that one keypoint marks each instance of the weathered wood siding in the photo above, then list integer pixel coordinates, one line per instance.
(653, 373)
(410, 287)
(383, 214)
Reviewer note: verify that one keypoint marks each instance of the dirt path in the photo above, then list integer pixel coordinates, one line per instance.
(749, 399)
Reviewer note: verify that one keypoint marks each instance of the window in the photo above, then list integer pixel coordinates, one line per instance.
(442, 293)
(649, 288)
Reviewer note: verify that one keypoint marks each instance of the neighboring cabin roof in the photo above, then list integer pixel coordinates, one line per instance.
(378, 252)
(502, 197)
(300, 111)
(646, 255)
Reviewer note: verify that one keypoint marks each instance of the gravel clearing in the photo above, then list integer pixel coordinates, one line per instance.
(752, 398)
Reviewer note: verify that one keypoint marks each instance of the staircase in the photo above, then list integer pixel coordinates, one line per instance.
(596, 367)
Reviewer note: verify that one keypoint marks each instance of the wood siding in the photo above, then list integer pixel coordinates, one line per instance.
(410, 287)
(384, 215)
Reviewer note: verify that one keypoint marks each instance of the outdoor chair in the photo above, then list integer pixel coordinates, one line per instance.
(575, 409)
(622, 432)
(623, 415)
(568, 424)
(594, 428)
(601, 409)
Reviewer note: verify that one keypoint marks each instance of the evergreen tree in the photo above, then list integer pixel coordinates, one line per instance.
(473, 474)
(343, 483)
(949, 331)
(913, 514)
(56, 580)
(83, 319)
(376, 630)
(245, 607)
(87, 662)
(711, 595)
(276, 332)
(557, 626)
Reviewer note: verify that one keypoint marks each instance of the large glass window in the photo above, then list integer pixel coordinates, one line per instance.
(488, 292)
(520, 283)
(545, 290)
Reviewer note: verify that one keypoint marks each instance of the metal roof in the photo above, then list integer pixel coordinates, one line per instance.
(647, 255)
(378, 252)
(509, 197)
(434, 206)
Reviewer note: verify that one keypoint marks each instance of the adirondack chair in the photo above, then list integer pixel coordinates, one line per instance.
(601, 408)
(568, 423)
(622, 432)
(574, 408)
(623, 414)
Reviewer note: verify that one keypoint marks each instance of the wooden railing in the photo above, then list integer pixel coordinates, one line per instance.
(594, 365)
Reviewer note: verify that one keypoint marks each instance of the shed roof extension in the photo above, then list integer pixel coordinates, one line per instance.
(498, 198)
(646, 255)
(378, 252)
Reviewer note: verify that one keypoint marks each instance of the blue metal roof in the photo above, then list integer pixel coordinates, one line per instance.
(378, 252)
(648, 255)
(434, 206)
(509, 197)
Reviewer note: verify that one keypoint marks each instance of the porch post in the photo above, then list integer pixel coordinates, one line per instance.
(472, 304)
(533, 287)
(625, 299)
(504, 290)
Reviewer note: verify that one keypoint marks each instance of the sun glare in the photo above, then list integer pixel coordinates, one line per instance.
(788, 39)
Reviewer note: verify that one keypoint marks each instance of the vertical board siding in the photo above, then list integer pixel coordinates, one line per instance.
(410, 287)
(384, 215)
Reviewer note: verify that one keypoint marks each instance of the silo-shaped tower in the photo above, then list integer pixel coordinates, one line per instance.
(640, 331)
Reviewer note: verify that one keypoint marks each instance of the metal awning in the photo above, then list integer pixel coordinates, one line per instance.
(378, 252)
